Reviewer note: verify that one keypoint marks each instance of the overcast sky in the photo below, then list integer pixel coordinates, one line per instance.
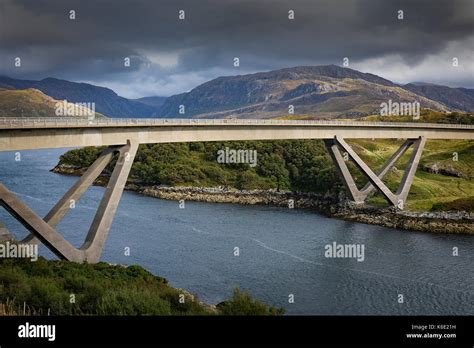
(170, 56)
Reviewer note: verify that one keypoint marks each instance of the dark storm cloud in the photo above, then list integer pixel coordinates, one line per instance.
(180, 54)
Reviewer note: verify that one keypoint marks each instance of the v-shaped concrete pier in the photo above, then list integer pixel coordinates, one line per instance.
(43, 229)
(397, 199)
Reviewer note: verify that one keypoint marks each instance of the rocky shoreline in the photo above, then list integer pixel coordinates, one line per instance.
(435, 222)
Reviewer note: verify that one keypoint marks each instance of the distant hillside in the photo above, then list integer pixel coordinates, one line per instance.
(426, 116)
(326, 91)
(155, 102)
(28, 103)
(106, 101)
(455, 98)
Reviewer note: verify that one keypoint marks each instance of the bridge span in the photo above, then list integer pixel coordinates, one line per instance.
(123, 136)
(28, 134)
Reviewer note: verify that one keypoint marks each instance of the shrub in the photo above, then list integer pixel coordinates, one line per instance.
(101, 289)
(242, 303)
(132, 301)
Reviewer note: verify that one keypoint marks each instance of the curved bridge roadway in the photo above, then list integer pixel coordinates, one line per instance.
(122, 137)
(28, 134)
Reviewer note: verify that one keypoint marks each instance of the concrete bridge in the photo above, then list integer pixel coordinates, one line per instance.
(122, 137)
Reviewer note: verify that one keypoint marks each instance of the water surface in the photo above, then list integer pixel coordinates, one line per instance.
(281, 250)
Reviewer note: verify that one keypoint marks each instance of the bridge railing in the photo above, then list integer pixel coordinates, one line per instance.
(63, 122)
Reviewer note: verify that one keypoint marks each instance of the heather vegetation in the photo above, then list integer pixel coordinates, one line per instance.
(301, 165)
(67, 288)
(428, 116)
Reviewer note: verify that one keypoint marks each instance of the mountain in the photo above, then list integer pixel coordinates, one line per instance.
(326, 91)
(455, 98)
(106, 101)
(155, 102)
(31, 103)
(321, 91)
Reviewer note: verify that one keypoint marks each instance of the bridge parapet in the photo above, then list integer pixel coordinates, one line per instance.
(75, 122)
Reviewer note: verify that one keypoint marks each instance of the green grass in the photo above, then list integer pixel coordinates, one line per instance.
(466, 204)
(428, 189)
(102, 289)
(427, 116)
(243, 304)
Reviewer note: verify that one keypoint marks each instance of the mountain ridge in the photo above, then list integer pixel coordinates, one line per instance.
(322, 91)
(107, 102)
(32, 102)
(455, 98)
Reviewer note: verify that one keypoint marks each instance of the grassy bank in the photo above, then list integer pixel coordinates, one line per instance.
(65, 288)
(430, 190)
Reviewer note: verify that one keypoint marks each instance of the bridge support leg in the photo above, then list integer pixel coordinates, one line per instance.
(61, 208)
(43, 229)
(375, 179)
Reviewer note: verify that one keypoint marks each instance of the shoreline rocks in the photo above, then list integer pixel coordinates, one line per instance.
(337, 207)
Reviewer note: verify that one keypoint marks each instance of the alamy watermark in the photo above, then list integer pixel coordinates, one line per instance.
(28, 330)
(392, 108)
(64, 108)
(355, 251)
(234, 156)
(14, 250)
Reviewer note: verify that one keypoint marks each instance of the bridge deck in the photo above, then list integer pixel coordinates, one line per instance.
(26, 134)
(22, 123)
